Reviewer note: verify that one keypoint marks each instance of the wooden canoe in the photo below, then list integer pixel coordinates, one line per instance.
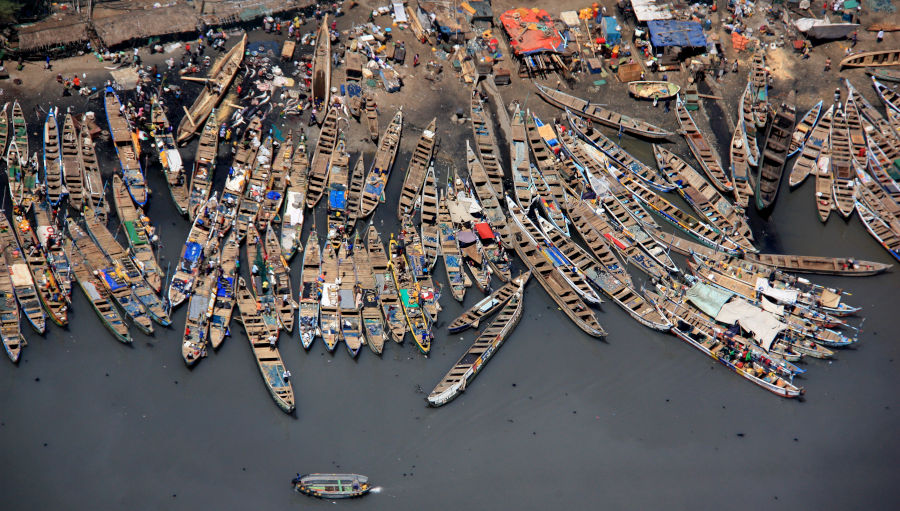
(268, 358)
(415, 171)
(878, 166)
(855, 131)
(547, 165)
(872, 59)
(428, 218)
(805, 164)
(22, 176)
(875, 120)
(195, 338)
(73, 181)
(824, 183)
(486, 143)
(740, 167)
(553, 209)
(410, 298)
(255, 192)
(222, 306)
(321, 70)
(94, 190)
(121, 263)
(774, 156)
(705, 199)
(336, 194)
(417, 266)
(261, 283)
(449, 249)
(277, 184)
(169, 157)
(295, 202)
(488, 305)
(386, 287)
(321, 159)
(841, 162)
(879, 230)
(239, 173)
(308, 317)
(50, 238)
(4, 128)
(370, 313)
(380, 171)
(13, 340)
(284, 290)
(113, 282)
(873, 191)
(371, 116)
(220, 77)
(20, 129)
(520, 165)
(653, 90)
(485, 346)
(23, 282)
(204, 165)
(53, 177)
(748, 121)
(884, 75)
(804, 128)
(192, 253)
(127, 148)
(354, 192)
(889, 96)
(350, 301)
(489, 201)
(50, 292)
(702, 150)
(329, 308)
(139, 232)
(601, 115)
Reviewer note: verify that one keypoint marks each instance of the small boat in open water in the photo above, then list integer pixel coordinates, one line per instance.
(332, 486)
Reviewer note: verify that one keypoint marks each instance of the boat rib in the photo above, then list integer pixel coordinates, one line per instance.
(841, 161)
(872, 58)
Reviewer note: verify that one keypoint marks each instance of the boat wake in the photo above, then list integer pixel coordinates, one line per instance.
(376, 489)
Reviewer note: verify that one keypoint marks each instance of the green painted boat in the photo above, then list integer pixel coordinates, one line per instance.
(653, 90)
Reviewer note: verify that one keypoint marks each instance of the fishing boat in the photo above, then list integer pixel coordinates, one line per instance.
(23, 283)
(321, 159)
(329, 308)
(255, 192)
(332, 486)
(545, 161)
(601, 236)
(855, 131)
(20, 129)
(126, 272)
(295, 203)
(774, 156)
(192, 253)
(50, 237)
(386, 288)
(414, 251)
(415, 171)
(73, 181)
(169, 157)
(370, 308)
(701, 196)
(877, 198)
(884, 75)
(4, 128)
(805, 164)
(488, 305)
(13, 340)
(196, 323)
(872, 58)
(740, 167)
(139, 232)
(410, 297)
(94, 190)
(277, 185)
(702, 150)
(708, 338)
(336, 206)
(53, 177)
(653, 90)
(222, 306)
(486, 143)
(112, 281)
(221, 74)
(266, 353)
(350, 301)
(473, 256)
(22, 178)
(889, 96)
(490, 209)
(127, 147)
(239, 174)
(549, 205)
(556, 286)
(841, 163)
(204, 165)
(880, 230)
(521, 167)
(804, 129)
(308, 310)
(428, 218)
(880, 168)
(354, 193)
(380, 171)
(601, 115)
(371, 116)
(283, 288)
(262, 280)
(50, 291)
(449, 249)
(621, 157)
(487, 343)
(321, 70)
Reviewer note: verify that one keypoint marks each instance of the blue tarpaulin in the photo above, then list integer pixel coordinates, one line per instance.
(336, 199)
(110, 280)
(226, 284)
(192, 251)
(273, 195)
(676, 33)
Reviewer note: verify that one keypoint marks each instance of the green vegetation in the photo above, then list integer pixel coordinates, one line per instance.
(9, 10)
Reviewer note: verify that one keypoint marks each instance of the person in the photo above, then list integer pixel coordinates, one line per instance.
(48, 67)
(854, 38)
(878, 38)
(827, 64)
(837, 95)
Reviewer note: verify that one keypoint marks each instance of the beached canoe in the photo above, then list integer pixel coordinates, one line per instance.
(415, 171)
(884, 75)
(380, 171)
(321, 70)
(804, 128)
(806, 162)
(192, 254)
(702, 150)
(874, 58)
(53, 178)
(653, 90)
(740, 167)
(774, 156)
(841, 161)
(486, 142)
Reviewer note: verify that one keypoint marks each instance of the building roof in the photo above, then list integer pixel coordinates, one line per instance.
(531, 31)
(676, 33)
(58, 29)
(118, 22)
(646, 10)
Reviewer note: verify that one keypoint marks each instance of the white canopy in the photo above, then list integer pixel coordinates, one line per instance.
(763, 325)
(781, 295)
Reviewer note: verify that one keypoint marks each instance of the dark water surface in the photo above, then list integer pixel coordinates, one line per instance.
(639, 421)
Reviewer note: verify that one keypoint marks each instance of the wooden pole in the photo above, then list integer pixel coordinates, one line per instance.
(189, 118)
(195, 79)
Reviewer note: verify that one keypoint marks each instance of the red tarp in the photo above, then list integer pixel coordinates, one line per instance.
(484, 231)
(531, 31)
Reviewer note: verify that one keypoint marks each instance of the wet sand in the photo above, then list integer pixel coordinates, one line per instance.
(640, 420)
